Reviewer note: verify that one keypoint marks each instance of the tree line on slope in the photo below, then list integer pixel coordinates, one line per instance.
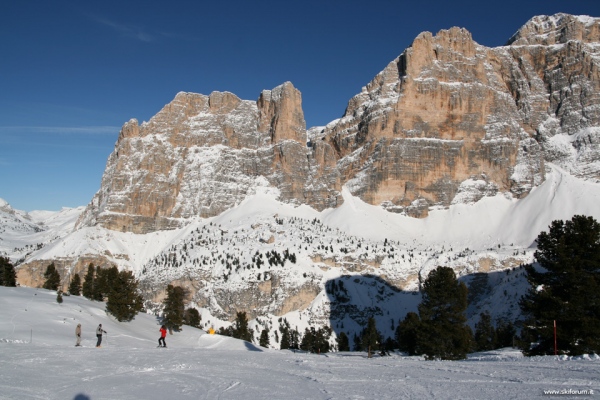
(118, 288)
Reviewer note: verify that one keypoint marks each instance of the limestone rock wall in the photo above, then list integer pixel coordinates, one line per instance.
(200, 155)
(446, 111)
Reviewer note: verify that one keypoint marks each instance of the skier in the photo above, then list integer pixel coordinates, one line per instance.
(78, 335)
(163, 335)
(99, 335)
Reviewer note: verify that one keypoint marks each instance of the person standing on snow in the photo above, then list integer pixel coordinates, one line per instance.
(78, 335)
(163, 335)
(99, 331)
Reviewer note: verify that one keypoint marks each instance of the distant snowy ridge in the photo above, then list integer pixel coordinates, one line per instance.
(22, 233)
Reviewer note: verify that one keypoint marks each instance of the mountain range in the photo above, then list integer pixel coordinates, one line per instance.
(455, 154)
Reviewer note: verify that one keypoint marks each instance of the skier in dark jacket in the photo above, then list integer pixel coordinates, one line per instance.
(163, 335)
(99, 331)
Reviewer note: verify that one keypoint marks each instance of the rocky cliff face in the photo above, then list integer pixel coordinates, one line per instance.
(200, 155)
(447, 112)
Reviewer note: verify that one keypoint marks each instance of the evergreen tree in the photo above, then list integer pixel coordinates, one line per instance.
(264, 338)
(343, 342)
(321, 340)
(104, 282)
(240, 329)
(87, 289)
(564, 288)
(285, 338)
(174, 307)
(192, 317)
(485, 334)
(8, 277)
(124, 301)
(370, 338)
(388, 345)
(294, 339)
(505, 333)
(59, 297)
(407, 333)
(316, 340)
(357, 345)
(226, 331)
(443, 333)
(99, 284)
(290, 338)
(52, 277)
(306, 343)
(75, 285)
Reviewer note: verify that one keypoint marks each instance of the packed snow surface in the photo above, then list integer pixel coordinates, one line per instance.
(39, 361)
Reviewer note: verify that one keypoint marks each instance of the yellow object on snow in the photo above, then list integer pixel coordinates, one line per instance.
(211, 331)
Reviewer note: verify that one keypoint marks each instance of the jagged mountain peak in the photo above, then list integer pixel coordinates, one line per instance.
(556, 29)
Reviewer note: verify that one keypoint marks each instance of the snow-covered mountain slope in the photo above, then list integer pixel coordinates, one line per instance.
(23, 233)
(39, 360)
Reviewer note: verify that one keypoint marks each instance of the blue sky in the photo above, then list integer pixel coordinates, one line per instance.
(72, 72)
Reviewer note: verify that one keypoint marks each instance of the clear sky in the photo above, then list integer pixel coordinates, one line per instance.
(72, 72)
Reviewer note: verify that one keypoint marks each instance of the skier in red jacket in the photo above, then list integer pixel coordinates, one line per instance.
(163, 335)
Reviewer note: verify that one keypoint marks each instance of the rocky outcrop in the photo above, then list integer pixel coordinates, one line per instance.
(200, 155)
(449, 110)
(447, 121)
(31, 274)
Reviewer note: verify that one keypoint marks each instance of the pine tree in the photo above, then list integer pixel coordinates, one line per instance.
(52, 277)
(321, 340)
(343, 342)
(104, 282)
(285, 338)
(264, 338)
(316, 340)
(505, 332)
(357, 345)
(192, 317)
(75, 286)
(306, 343)
(407, 333)
(87, 289)
(370, 338)
(124, 301)
(174, 307)
(240, 329)
(8, 277)
(99, 284)
(564, 288)
(485, 334)
(226, 331)
(443, 333)
(294, 339)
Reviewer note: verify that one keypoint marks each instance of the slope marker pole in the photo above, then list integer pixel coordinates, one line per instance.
(555, 346)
